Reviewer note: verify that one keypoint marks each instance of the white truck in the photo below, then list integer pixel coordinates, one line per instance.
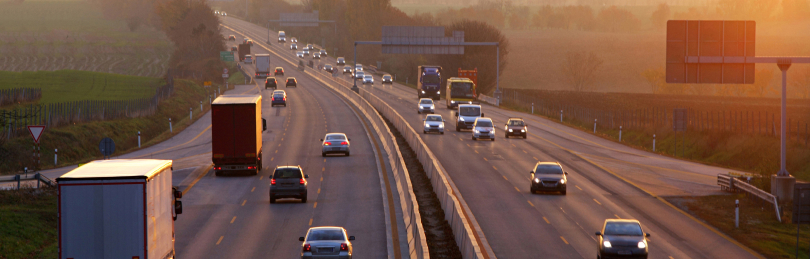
(123, 208)
(262, 65)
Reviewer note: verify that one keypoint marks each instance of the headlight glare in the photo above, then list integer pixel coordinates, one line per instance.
(606, 244)
(441, 125)
(523, 130)
(537, 180)
(642, 244)
(562, 181)
(510, 130)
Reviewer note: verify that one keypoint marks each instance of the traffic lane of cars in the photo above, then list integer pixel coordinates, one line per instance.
(344, 197)
(514, 166)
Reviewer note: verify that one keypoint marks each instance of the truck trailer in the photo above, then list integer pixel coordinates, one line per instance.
(243, 49)
(429, 83)
(236, 133)
(121, 208)
(262, 65)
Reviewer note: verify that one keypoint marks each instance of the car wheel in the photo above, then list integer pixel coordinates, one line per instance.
(505, 135)
(424, 132)
(531, 190)
(348, 153)
(493, 139)
(563, 192)
(524, 136)
(217, 173)
(304, 199)
(442, 132)
(323, 154)
(473, 138)
(272, 199)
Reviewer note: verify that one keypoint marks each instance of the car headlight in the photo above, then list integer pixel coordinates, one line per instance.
(606, 244)
(476, 131)
(461, 119)
(441, 125)
(452, 101)
(523, 130)
(562, 181)
(423, 91)
(510, 130)
(432, 107)
(537, 180)
(642, 244)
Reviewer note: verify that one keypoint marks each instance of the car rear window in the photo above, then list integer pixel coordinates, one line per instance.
(278, 95)
(330, 234)
(548, 169)
(623, 229)
(331, 137)
(287, 173)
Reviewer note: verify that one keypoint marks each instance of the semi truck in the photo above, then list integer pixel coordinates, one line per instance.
(262, 65)
(244, 49)
(120, 208)
(429, 83)
(236, 133)
(460, 91)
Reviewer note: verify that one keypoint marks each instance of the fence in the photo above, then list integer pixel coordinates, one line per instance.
(15, 121)
(750, 120)
(16, 95)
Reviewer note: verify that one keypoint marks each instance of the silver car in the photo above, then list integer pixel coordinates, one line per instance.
(425, 105)
(293, 46)
(358, 74)
(316, 56)
(306, 52)
(288, 182)
(483, 128)
(368, 79)
(335, 143)
(300, 54)
(434, 123)
(326, 242)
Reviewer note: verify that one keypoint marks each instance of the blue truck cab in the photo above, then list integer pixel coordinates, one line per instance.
(430, 82)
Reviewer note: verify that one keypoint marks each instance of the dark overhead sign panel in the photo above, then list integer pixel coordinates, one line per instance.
(710, 52)
(420, 40)
(299, 19)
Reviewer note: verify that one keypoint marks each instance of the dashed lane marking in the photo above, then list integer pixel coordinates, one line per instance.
(243, 202)
(319, 190)
(504, 177)
(310, 222)
(547, 222)
(516, 189)
(563, 239)
(597, 202)
(617, 216)
(578, 187)
(220, 239)
(254, 188)
(233, 219)
(530, 203)
(315, 205)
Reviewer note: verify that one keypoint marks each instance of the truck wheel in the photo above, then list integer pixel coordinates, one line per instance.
(442, 132)
(563, 192)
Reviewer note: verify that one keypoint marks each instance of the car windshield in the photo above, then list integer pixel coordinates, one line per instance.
(434, 118)
(461, 90)
(367, 76)
(335, 137)
(483, 123)
(360, 73)
(426, 101)
(623, 229)
(386, 77)
(430, 79)
(548, 169)
(325, 234)
(287, 173)
(328, 66)
(516, 123)
(469, 111)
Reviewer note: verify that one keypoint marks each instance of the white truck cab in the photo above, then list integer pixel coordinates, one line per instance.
(466, 115)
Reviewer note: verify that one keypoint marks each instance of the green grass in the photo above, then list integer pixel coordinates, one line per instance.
(72, 85)
(28, 223)
(759, 228)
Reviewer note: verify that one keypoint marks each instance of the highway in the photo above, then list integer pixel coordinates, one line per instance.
(607, 180)
(231, 217)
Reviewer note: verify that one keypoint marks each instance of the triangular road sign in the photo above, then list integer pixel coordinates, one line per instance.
(36, 132)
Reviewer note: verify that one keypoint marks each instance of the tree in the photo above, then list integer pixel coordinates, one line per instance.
(660, 16)
(654, 78)
(579, 69)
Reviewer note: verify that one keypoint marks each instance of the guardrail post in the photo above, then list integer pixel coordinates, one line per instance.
(55, 150)
(594, 126)
(38, 179)
(620, 133)
(201, 108)
(139, 139)
(561, 113)
(190, 113)
(170, 125)
(736, 213)
(653, 142)
(532, 108)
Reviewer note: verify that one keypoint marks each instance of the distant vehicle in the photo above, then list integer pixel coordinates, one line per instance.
(466, 115)
(232, 38)
(279, 98)
(459, 91)
(368, 79)
(292, 82)
(347, 70)
(279, 71)
(358, 74)
(293, 46)
(236, 133)
(515, 127)
(387, 79)
(282, 36)
(358, 67)
(288, 182)
(316, 56)
(294, 40)
(323, 53)
(300, 54)
(244, 49)
(270, 82)
(248, 59)
(425, 105)
(329, 68)
(429, 82)
(434, 123)
(306, 52)
(262, 65)
(250, 42)
(310, 47)
(234, 48)
(326, 242)
(114, 200)
(216, 12)
(483, 128)
(341, 61)
(548, 176)
(224, 14)
(335, 143)
(245, 41)
(622, 238)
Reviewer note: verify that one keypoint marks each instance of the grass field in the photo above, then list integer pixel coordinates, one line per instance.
(54, 35)
(72, 85)
(28, 223)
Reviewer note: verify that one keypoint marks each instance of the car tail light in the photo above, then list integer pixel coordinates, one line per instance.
(273, 181)
(251, 167)
(344, 247)
(344, 143)
(218, 168)
(272, 99)
(307, 248)
(285, 98)
(327, 144)
(301, 181)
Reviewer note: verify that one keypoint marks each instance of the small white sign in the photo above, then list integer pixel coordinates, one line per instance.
(224, 75)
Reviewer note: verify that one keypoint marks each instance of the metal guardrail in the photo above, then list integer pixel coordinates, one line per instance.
(488, 99)
(26, 177)
(732, 184)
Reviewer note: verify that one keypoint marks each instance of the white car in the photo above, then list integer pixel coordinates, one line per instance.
(316, 56)
(425, 105)
(248, 59)
(434, 123)
(358, 75)
(335, 143)
(358, 67)
(294, 40)
(306, 52)
(224, 14)
(300, 54)
(326, 242)
(483, 128)
(293, 46)
(368, 79)
(323, 53)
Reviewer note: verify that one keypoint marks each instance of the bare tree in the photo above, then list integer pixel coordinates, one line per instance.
(580, 69)
(654, 78)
